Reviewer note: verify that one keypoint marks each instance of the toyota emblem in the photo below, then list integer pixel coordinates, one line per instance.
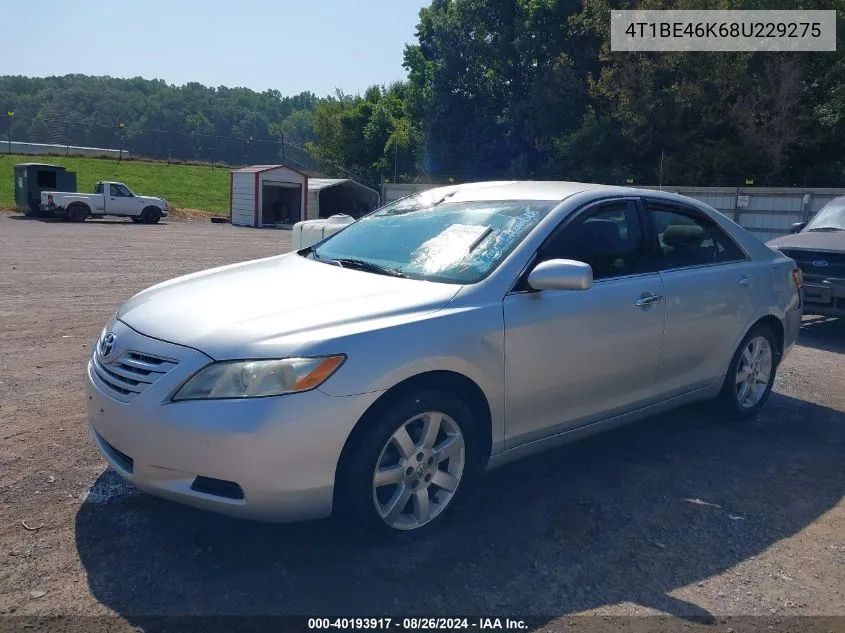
(107, 344)
(820, 263)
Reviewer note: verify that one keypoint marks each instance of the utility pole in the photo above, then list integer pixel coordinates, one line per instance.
(395, 161)
(660, 178)
(10, 114)
(67, 139)
(121, 126)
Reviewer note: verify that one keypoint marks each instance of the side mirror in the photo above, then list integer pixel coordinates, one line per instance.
(797, 227)
(561, 274)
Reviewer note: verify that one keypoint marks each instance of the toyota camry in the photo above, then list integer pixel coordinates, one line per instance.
(375, 374)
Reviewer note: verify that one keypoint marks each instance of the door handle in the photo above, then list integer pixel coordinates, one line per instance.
(647, 300)
(745, 280)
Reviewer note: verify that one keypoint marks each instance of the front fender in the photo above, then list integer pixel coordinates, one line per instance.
(466, 341)
(153, 202)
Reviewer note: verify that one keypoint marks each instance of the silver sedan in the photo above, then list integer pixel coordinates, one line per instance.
(377, 373)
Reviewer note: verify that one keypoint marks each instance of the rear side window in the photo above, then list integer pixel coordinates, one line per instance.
(688, 240)
(98, 188)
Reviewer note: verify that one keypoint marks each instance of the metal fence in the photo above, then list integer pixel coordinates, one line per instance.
(766, 212)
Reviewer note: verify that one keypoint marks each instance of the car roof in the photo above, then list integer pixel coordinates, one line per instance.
(532, 190)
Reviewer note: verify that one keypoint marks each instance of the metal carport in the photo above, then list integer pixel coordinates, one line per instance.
(330, 196)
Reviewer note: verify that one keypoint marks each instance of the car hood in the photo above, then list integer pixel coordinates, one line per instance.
(811, 241)
(274, 306)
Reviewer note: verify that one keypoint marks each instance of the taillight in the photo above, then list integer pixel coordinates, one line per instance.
(798, 279)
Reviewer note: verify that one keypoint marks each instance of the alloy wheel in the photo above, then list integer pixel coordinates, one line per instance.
(418, 471)
(753, 372)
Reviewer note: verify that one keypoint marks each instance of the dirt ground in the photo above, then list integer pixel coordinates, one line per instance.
(683, 515)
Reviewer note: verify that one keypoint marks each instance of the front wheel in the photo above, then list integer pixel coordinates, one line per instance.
(410, 466)
(150, 215)
(751, 375)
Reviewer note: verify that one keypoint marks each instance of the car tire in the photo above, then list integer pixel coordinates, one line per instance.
(151, 215)
(432, 476)
(748, 383)
(77, 213)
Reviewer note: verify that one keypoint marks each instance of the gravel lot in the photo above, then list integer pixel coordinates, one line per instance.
(683, 515)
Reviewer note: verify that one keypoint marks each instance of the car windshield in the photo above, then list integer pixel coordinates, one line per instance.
(423, 238)
(830, 218)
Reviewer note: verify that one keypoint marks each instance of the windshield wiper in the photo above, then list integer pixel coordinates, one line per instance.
(825, 228)
(358, 264)
(361, 264)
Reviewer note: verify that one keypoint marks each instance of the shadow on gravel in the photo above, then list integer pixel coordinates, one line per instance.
(630, 515)
(33, 218)
(824, 333)
(116, 221)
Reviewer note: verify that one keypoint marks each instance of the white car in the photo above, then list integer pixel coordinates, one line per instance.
(109, 198)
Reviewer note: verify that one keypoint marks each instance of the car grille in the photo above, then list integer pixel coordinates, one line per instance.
(131, 373)
(807, 261)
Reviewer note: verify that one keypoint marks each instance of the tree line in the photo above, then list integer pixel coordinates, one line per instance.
(499, 89)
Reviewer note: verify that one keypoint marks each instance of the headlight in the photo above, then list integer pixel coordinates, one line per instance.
(258, 378)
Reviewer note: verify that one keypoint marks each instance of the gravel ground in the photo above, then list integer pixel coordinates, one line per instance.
(683, 515)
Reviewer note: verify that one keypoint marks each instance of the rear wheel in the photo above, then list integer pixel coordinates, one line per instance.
(151, 215)
(77, 213)
(751, 375)
(410, 466)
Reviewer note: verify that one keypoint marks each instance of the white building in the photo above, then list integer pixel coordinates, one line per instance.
(267, 195)
(278, 195)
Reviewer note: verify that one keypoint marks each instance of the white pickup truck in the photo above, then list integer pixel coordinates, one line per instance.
(109, 198)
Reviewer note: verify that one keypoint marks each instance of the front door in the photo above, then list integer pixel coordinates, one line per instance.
(574, 357)
(121, 201)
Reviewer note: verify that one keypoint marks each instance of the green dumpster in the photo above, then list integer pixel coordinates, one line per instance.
(33, 178)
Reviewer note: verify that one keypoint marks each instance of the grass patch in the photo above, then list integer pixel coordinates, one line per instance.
(184, 186)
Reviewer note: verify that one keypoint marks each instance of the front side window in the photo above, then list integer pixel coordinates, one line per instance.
(435, 240)
(608, 238)
(686, 240)
(119, 191)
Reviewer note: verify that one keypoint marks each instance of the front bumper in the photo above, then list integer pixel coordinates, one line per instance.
(271, 459)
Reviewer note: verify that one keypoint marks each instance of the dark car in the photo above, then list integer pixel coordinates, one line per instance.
(818, 247)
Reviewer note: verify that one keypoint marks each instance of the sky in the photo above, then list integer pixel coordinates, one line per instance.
(290, 46)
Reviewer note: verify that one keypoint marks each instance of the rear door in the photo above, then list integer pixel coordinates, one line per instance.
(712, 292)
